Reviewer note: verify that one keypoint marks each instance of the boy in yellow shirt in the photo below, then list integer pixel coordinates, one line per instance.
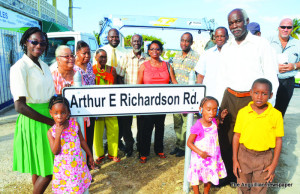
(258, 130)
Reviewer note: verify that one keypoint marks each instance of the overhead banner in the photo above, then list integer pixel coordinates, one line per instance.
(13, 21)
(121, 100)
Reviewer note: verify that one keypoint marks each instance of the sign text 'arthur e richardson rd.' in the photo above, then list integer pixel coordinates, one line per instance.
(113, 100)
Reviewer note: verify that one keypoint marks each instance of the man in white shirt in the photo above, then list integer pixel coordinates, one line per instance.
(115, 53)
(244, 59)
(114, 47)
(208, 64)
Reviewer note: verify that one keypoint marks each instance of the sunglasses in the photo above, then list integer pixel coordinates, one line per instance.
(34, 42)
(154, 49)
(68, 56)
(284, 27)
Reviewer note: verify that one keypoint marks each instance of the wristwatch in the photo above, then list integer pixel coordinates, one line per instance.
(295, 66)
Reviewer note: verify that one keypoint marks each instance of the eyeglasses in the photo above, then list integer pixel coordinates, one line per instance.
(34, 42)
(68, 56)
(284, 27)
(154, 49)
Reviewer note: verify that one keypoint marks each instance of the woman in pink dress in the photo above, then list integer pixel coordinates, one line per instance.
(154, 71)
(70, 172)
(206, 163)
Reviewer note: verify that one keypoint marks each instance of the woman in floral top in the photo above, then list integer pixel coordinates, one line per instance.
(83, 65)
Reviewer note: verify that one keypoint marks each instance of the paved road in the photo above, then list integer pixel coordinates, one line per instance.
(288, 170)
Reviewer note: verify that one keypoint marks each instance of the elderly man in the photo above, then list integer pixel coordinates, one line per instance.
(244, 59)
(208, 64)
(114, 51)
(288, 54)
(183, 63)
(254, 28)
(128, 69)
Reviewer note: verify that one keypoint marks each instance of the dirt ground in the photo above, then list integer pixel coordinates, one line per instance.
(128, 176)
(157, 175)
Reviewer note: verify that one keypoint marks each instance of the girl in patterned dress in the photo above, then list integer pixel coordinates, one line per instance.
(70, 172)
(206, 163)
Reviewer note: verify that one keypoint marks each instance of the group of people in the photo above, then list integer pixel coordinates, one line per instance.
(243, 74)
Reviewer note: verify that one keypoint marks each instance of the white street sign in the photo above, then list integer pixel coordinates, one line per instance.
(118, 100)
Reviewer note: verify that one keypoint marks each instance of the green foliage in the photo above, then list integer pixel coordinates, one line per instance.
(168, 54)
(296, 30)
(97, 37)
(145, 38)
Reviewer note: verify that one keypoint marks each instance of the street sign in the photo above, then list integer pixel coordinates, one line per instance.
(122, 100)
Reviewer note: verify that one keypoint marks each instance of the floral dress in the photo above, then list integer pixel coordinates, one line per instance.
(212, 168)
(70, 172)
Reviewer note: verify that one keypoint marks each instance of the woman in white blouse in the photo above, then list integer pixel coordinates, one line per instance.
(32, 86)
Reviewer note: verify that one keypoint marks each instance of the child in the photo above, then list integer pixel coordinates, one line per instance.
(70, 172)
(258, 129)
(206, 162)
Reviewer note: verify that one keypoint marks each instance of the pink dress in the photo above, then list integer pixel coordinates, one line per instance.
(70, 172)
(212, 168)
(156, 75)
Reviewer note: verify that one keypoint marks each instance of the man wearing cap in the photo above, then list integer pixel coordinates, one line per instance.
(254, 28)
(288, 55)
(244, 59)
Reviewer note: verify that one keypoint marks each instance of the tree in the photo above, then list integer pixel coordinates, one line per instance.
(145, 38)
(296, 28)
(97, 37)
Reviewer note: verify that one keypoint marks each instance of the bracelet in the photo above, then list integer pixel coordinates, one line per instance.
(295, 66)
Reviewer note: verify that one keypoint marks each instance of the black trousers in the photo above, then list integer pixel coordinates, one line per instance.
(90, 134)
(284, 94)
(147, 123)
(125, 132)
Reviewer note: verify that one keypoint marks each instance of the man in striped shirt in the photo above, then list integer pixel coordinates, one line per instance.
(183, 63)
(128, 69)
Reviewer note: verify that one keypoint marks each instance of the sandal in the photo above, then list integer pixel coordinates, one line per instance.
(113, 158)
(99, 160)
(161, 155)
(143, 159)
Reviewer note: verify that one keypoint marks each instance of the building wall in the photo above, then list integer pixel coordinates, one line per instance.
(10, 52)
(37, 9)
(10, 36)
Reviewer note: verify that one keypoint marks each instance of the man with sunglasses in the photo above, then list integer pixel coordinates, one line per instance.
(288, 55)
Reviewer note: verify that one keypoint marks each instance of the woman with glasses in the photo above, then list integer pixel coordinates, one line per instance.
(32, 87)
(154, 71)
(63, 75)
(83, 65)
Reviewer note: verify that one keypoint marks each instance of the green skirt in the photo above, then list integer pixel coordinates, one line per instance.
(32, 152)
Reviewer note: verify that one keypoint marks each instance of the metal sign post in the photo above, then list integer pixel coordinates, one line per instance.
(190, 119)
(77, 83)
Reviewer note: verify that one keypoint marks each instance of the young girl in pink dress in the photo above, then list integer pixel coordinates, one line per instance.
(206, 162)
(70, 171)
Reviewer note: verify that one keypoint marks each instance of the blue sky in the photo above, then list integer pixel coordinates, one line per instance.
(267, 13)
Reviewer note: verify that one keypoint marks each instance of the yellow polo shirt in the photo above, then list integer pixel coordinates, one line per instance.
(259, 131)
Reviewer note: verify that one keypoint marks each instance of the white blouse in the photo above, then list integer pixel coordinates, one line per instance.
(30, 81)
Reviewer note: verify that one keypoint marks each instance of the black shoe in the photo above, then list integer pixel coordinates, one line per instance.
(122, 146)
(174, 151)
(180, 153)
(129, 153)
